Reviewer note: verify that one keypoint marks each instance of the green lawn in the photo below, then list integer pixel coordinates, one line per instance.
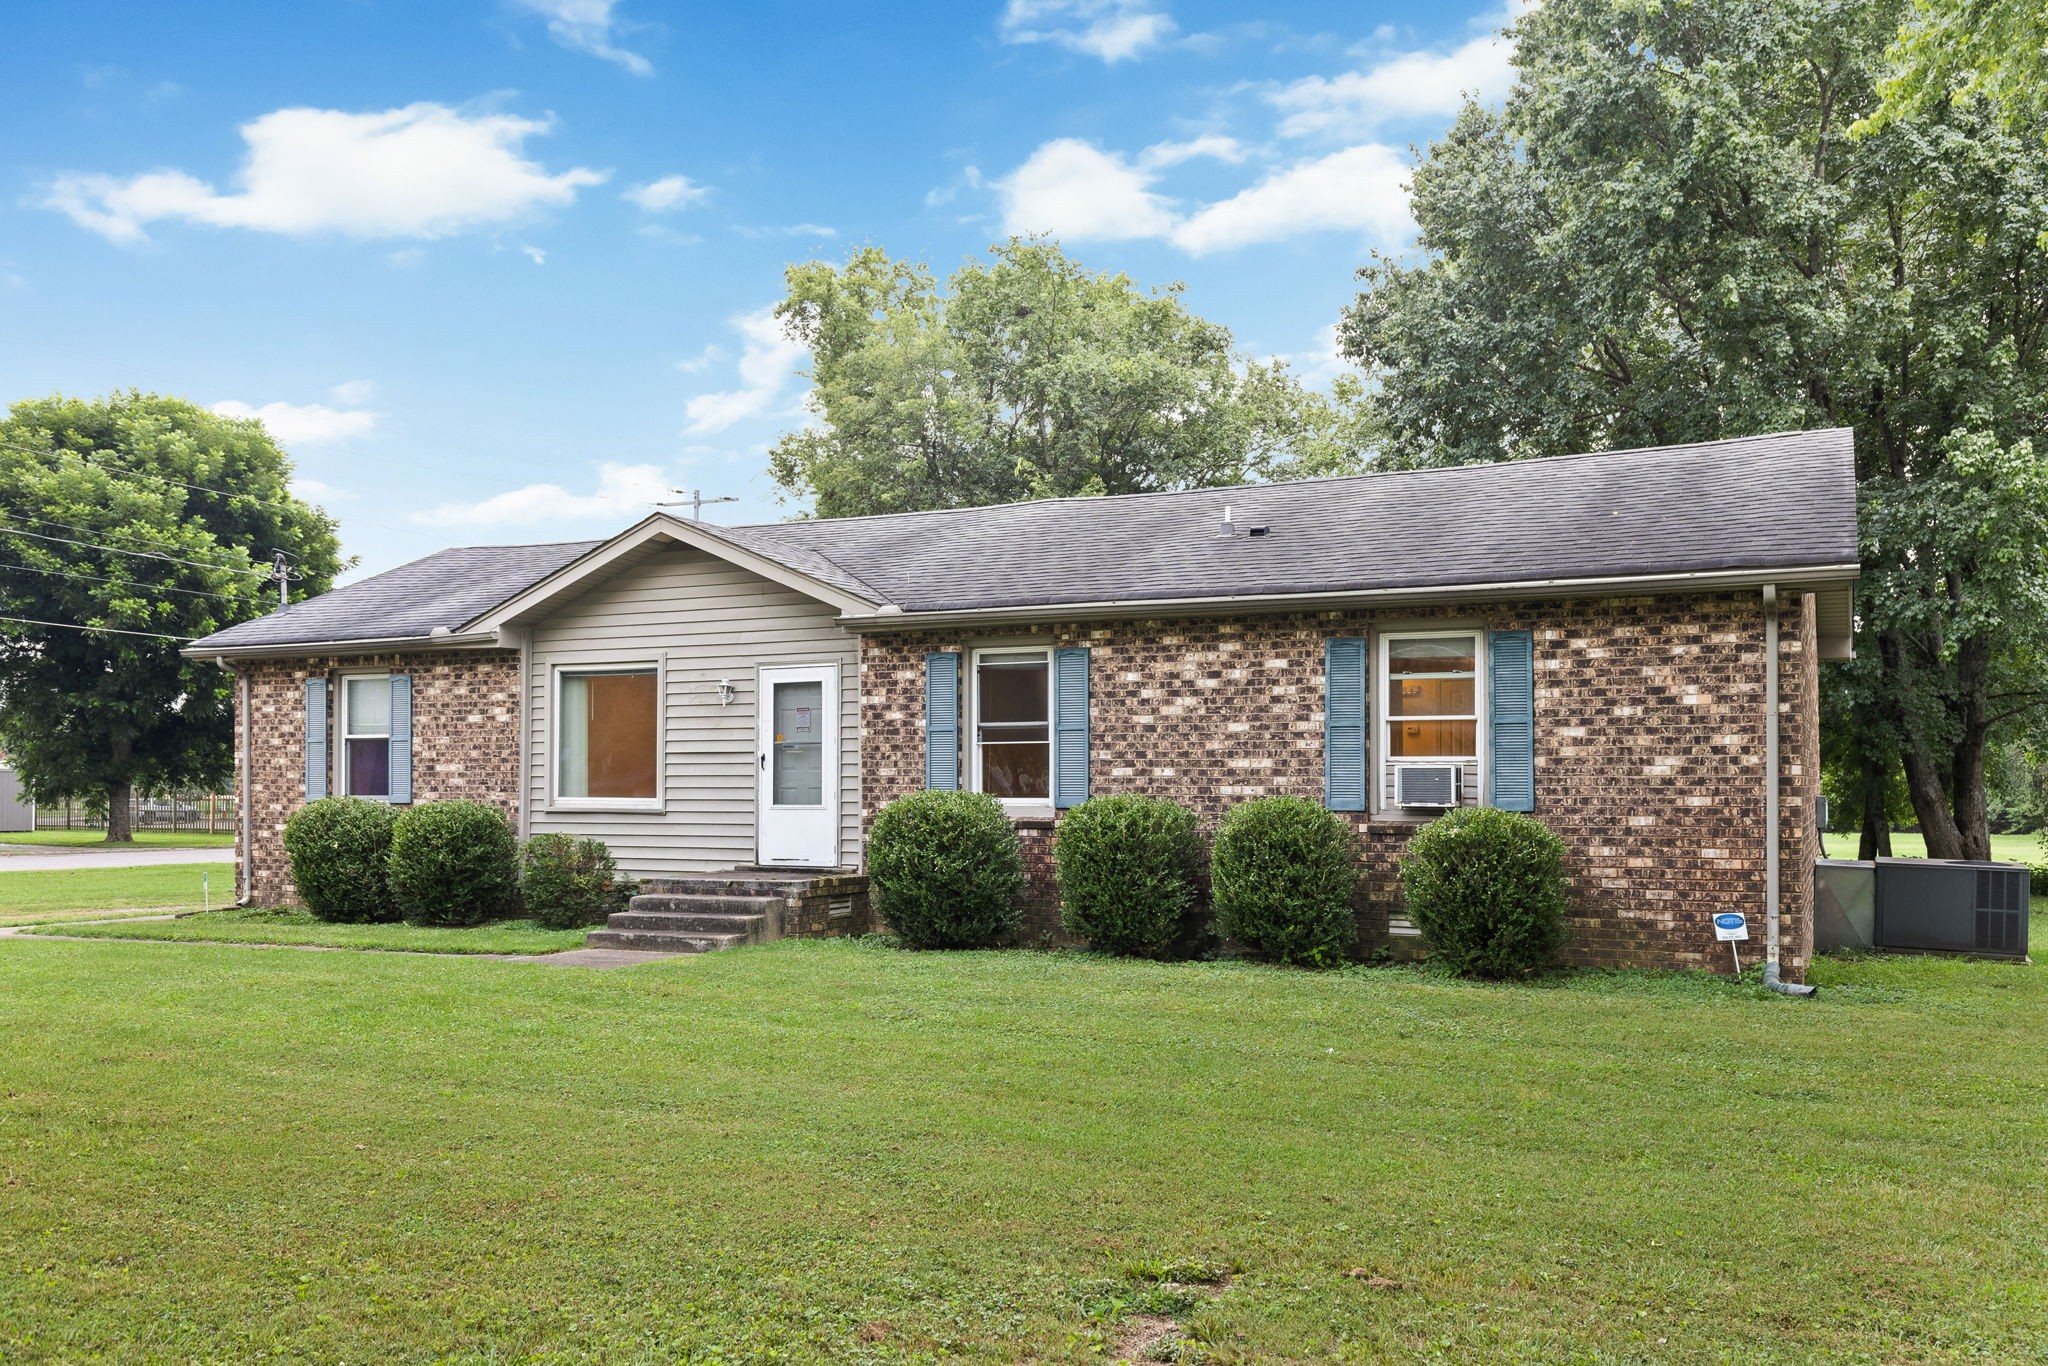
(297, 927)
(2004, 848)
(144, 839)
(175, 886)
(840, 1152)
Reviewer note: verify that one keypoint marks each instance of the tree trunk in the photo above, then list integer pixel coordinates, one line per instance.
(1877, 830)
(120, 813)
(1966, 777)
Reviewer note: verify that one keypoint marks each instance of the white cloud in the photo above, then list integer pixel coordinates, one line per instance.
(789, 230)
(1322, 363)
(666, 194)
(702, 360)
(1112, 30)
(1360, 188)
(1080, 193)
(622, 491)
(313, 491)
(353, 391)
(968, 179)
(537, 255)
(303, 424)
(768, 361)
(1403, 85)
(1163, 154)
(586, 26)
(425, 170)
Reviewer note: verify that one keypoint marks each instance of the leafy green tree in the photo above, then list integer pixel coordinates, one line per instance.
(148, 521)
(1963, 49)
(1030, 377)
(1669, 234)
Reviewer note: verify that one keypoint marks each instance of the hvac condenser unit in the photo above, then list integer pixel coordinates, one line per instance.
(1950, 906)
(1425, 784)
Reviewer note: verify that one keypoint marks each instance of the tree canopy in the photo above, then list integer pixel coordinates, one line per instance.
(147, 521)
(1967, 49)
(1669, 233)
(1027, 376)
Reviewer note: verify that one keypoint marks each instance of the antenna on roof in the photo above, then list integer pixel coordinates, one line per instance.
(696, 499)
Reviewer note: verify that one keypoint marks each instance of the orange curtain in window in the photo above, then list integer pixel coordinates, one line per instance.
(623, 712)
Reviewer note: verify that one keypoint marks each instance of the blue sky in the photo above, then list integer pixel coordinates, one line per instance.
(497, 270)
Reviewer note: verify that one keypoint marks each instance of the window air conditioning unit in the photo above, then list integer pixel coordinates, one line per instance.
(1425, 784)
(1942, 906)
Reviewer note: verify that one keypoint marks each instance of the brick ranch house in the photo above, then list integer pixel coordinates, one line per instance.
(1593, 639)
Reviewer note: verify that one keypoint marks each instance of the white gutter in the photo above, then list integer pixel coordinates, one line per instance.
(1698, 581)
(382, 645)
(1771, 783)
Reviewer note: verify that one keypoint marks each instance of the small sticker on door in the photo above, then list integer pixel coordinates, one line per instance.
(803, 720)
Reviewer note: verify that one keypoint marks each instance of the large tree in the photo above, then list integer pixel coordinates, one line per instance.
(146, 521)
(1669, 233)
(1027, 376)
(1964, 49)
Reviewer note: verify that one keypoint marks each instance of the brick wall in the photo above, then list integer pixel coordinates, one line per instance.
(1649, 750)
(465, 742)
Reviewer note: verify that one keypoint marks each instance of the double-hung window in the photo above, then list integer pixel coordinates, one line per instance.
(1013, 724)
(1430, 683)
(607, 736)
(365, 729)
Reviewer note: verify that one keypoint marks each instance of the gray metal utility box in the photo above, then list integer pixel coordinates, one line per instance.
(1930, 905)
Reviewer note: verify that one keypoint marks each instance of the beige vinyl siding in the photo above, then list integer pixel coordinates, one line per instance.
(699, 620)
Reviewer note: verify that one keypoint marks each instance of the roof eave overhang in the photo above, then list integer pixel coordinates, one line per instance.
(381, 645)
(530, 601)
(1819, 578)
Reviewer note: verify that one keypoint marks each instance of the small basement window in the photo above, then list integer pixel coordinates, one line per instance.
(365, 728)
(607, 735)
(1430, 687)
(1013, 724)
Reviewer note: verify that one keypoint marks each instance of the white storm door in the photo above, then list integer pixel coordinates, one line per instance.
(797, 792)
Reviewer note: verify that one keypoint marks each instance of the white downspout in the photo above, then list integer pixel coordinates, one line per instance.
(248, 886)
(1771, 783)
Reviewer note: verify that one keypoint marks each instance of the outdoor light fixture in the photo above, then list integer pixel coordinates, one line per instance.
(725, 691)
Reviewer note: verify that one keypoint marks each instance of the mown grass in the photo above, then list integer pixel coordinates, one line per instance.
(171, 886)
(268, 926)
(144, 839)
(840, 1152)
(2004, 848)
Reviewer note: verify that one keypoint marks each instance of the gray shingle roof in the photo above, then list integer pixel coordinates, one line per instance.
(1752, 503)
(444, 589)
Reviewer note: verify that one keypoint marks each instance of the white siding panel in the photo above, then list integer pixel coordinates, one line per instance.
(702, 620)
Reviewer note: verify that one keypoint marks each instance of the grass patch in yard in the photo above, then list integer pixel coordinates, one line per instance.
(2004, 848)
(172, 886)
(97, 839)
(268, 926)
(8, 920)
(839, 1152)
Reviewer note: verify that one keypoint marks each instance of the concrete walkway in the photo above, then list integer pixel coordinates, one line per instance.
(19, 858)
(567, 958)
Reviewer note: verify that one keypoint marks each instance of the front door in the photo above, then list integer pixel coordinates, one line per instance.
(798, 789)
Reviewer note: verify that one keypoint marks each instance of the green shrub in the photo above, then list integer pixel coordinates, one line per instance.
(945, 869)
(1487, 890)
(566, 882)
(1282, 877)
(338, 848)
(454, 863)
(1129, 869)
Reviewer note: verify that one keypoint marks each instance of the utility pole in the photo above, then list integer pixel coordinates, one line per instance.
(696, 499)
(282, 574)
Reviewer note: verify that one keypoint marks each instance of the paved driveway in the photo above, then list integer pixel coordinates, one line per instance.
(15, 858)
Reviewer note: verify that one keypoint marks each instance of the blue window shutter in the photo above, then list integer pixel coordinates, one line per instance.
(1344, 724)
(1070, 727)
(1511, 719)
(316, 739)
(401, 738)
(942, 720)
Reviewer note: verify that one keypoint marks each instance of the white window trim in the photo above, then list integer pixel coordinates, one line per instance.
(339, 755)
(556, 801)
(1383, 714)
(1052, 754)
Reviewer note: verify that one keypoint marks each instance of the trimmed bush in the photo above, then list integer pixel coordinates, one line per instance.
(567, 882)
(944, 869)
(1282, 876)
(338, 848)
(1487, 890)
(454, 863)
(1129, 869)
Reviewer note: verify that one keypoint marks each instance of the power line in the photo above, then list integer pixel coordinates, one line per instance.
(104, 531)
(105, 630)
(84, 458)
(138, 554)
(132, 583)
